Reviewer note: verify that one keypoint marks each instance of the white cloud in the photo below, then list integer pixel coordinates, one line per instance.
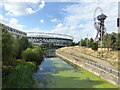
(22, 7)
(60, 25)
(13, 22)
(82, 15)
(42, 4)
(42, 21)
(34, 30)
(79, 21)
(54, 20)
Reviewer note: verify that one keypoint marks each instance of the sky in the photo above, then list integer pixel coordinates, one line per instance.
(67, 17)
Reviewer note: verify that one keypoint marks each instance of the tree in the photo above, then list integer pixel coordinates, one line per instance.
(117, 43)
(72, 44)
(0, 44)
(82, 42)
(109, 40)
(90, 42)
(23, 45)
(7, 46)
(33, 54)
(86, 42)
(95, 46)
(16, 46)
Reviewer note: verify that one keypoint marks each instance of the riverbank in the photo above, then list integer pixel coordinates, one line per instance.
(111, 56)
(90, 66)
(20, 76)
(20, 59)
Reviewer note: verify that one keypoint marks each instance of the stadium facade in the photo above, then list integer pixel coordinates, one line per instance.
(38, 38)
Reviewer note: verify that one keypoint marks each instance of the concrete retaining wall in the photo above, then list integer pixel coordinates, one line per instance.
(99, 70)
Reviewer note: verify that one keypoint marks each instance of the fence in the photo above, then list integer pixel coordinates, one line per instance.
(111, 71)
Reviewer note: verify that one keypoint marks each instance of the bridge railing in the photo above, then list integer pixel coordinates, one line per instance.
(109, 70)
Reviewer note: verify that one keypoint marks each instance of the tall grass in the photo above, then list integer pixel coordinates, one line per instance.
(21, 76)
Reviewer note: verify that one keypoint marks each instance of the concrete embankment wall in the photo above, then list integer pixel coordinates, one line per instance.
(101, 71)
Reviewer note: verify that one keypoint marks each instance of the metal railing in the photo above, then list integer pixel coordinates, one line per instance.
(109, 70)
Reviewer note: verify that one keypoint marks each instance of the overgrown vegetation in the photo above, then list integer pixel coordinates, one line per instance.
(20, 76)
(20, 59)
(94, 46)
(33, 54)
(72, 44)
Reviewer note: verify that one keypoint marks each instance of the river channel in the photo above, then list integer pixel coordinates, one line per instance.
(57, 73)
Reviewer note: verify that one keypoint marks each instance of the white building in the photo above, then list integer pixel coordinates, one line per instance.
(14, 32)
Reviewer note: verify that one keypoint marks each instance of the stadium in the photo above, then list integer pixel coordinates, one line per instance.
(58, 40)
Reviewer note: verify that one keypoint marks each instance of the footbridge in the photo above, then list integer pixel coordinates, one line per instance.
(59, 40)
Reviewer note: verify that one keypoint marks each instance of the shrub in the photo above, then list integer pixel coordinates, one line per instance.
(94, 46)
(23, 45)
(34, 54)
(20, 76)
(7, 46)
(71, 44)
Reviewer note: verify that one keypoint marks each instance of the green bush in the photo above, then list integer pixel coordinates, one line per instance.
(8, 50)
(23, 45)
(94, 46)
(33, 54)
(12, 47)
(71, 44)
(20, 76)
(117, 45)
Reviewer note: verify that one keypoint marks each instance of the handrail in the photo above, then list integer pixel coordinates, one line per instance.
(114, 72)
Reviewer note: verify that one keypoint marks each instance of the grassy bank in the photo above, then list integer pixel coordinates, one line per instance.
(109, 56)
(20, 77)
(78, 55)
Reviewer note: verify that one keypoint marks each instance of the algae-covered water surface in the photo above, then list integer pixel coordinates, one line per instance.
(56, 73)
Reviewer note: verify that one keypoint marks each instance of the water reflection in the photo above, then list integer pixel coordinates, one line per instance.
(48, 67)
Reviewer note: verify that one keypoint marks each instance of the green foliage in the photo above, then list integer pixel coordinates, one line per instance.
(95, 46)
(12, 47)
(8, 50)
(117, 43)
(86, 42)
(0, 44)
(6, 70)
(109, 41)
(112, 41)
(72, 44)
(17, 73)
(20, 76)
(23, 45)
(46, 46)
(33, 54)
(82, 42)
(90, 42)
(16, 46)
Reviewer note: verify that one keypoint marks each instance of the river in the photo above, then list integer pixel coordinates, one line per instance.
(57, 73)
